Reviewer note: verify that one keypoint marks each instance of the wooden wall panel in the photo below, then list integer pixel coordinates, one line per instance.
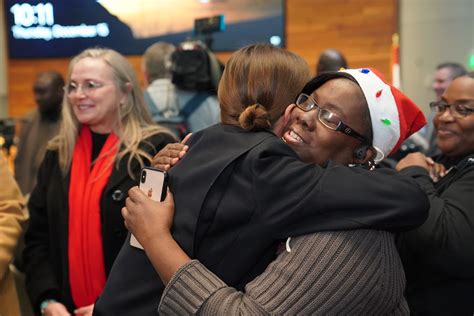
(362, 29)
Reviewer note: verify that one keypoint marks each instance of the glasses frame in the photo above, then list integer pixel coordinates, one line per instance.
(80, 87)
(452, 109)
(341, 127)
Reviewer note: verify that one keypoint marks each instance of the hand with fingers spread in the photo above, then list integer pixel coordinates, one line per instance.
(170, 154)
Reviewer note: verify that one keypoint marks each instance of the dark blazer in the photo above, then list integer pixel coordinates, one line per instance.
(238, 193)
(46, 240)
(439, 255)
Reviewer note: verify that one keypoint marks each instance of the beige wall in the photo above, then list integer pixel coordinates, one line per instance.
(432, 32)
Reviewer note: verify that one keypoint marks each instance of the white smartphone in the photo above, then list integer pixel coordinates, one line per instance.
(153, 183)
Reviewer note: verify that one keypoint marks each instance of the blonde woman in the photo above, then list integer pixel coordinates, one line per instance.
(76, 229)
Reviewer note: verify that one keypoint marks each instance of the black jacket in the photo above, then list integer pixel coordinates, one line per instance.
(238, 193)
(439, 255)
(46, 239)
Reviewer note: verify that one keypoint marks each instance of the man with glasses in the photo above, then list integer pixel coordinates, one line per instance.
(439, 255)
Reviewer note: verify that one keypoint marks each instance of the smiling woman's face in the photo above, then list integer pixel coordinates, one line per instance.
(98, 108)
(456, 135)
(314, 142)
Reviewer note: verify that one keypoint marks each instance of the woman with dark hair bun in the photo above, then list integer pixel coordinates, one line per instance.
(258, 83)
(240, 188)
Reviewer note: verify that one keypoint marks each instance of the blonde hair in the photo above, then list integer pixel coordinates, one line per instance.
(134, 123)
(258, 83)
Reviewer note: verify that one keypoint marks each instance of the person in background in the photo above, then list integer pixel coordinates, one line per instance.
(425, 140)
(335, 272)
(330, 60)
(439, 255)
(444, 74)
(76, 229)
(12, 218)
(173, 86)
(38, 127)
(240, 188)
(160, 92)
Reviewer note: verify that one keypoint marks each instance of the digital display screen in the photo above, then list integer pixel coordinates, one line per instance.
(63, 28)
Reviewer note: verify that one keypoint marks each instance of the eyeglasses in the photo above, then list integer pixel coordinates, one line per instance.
(87, 87)
(327, 118)
(457, 110)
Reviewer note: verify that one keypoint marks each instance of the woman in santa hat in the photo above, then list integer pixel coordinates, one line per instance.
(350, 117)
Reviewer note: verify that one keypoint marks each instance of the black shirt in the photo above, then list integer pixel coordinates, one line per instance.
(439, 255)
(98, 141)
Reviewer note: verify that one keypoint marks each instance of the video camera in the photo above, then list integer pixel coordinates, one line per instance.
(194, 66)
(190, 67)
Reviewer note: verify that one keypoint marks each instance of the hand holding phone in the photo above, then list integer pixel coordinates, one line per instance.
(153, 183)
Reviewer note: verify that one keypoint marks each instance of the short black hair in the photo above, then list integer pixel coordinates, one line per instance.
(457, 70)
(56, 79)
(330, 60)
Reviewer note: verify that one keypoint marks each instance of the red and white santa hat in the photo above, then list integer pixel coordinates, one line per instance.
(394, 116)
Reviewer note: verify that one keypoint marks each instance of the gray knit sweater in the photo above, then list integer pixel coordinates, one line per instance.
(330, 273)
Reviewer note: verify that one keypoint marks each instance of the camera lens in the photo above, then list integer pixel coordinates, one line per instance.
(143, 178)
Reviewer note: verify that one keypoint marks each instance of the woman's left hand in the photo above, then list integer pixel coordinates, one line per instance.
(435, 170)
(84, 311)
(146, 219)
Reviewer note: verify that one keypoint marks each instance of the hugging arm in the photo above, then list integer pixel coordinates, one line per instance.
(292, 280)
(446, 236)
(324, 273)
(312, 198)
